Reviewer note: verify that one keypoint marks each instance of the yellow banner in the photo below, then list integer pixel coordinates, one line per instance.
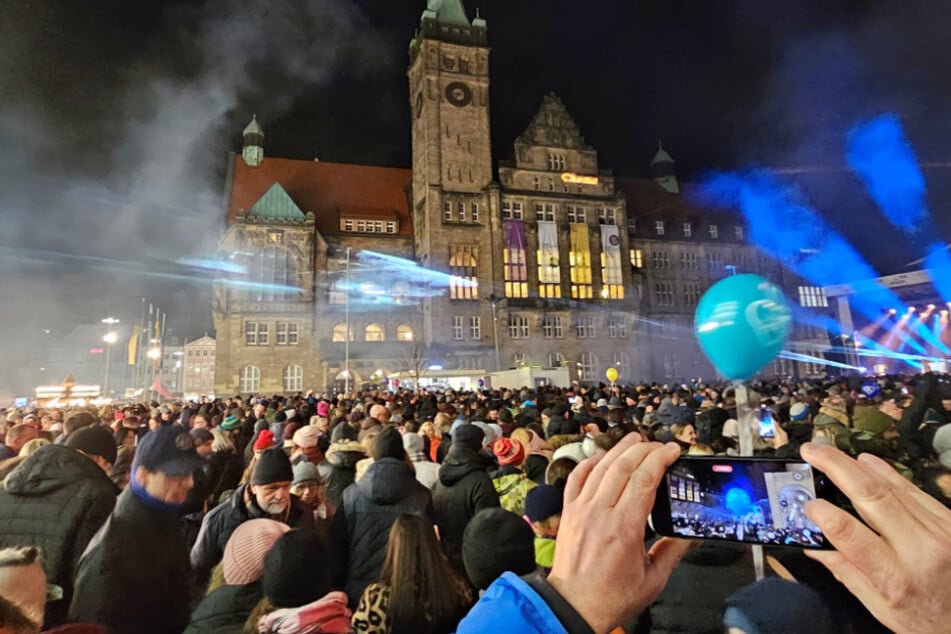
(134, 344)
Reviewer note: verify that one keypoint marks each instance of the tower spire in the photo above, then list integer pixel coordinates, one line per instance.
(253, 150)
(663, 170)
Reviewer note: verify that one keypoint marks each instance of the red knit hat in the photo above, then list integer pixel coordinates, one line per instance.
(243, 560)
(265, 440)
(508, 451)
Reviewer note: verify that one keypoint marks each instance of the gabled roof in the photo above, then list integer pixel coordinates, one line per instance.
(553, 126)
(254, 127)
(276, 204)
(201, 341)
(329, 190)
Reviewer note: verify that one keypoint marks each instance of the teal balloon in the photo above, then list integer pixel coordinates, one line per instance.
(742, 323)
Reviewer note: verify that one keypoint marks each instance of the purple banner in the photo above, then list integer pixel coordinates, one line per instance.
(514, 234)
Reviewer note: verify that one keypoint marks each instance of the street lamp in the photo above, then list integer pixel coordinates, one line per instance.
(495, 328)
(109, 338)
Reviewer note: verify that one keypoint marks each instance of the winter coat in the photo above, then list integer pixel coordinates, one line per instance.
(134, 577)
(361, 526)
(56, 500)
(225, 610)
(218, 525)
(369, 426)
(427, 473)
(517, 605)
(225, 469)
(464, 489)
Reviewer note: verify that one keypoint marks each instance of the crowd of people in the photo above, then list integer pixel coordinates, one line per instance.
(510, 510)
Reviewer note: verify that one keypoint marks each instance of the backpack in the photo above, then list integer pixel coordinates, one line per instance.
(512, 490)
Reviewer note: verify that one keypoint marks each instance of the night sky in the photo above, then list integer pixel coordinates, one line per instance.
(116, 116)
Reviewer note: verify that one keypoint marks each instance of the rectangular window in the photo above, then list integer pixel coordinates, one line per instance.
(518, 327)
(457, 327)
(348, 225)
(664, 293)
(511, 211)
(475, 328)
(576, 214)
(461, 207)
(813, 297)
(738, 232)
(714, 232)
(579, 262)
(607, 216)
(556, 162)
(545, 212)
(688, 229)
(660, 260)
(659, 227)
(255, 333)
(714, 263)
(617, 328)
(286, 333)
(631, 225)
(516, 271)
(551, 184)
(536, 183)
(688, 261)
(637, 258)
(447, 211)
(584, 327)
(463, 281)
(474, 209)
(691, 293)
(552, 327)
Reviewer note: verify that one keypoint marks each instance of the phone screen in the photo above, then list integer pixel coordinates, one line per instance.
(767, 427)
(740, 500)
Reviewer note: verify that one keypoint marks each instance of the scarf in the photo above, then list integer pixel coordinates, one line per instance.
(328, 615)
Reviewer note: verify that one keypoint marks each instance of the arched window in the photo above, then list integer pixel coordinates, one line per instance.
(293, 378)
(400, 291)
(374, 332)
(250, 380)
(463, 283)
(404, 332)
(622, 363)
(274, 275)
(555, 359)
(587, 366)
(340, 333)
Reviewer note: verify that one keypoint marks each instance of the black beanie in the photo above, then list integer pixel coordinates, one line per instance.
(497, 541)
(388, 444)
(94, 441)
(273, 466)
(297, 569)
(468, 436)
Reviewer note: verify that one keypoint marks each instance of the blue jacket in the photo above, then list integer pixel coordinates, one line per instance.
(516, 606)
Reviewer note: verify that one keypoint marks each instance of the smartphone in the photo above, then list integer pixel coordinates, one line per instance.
(767, 426)
(747, 500)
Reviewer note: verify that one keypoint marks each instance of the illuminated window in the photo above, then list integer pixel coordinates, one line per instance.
(587, 366)
(738, 232)
(511, 210)
(457, 327)
(255, 333)
(691, 294)
(404, 332)
(576, 214)
(556, 359)
(688, 229)
(637, 258)
(545, 212)
(664, 293)
(250, 379)
(518, 327)
(579, 263)
(549, 273)
(515, 270)
(286, 333)
(340, 333)
(617, 328)
(463, 283)
(374, 332)
(293, 378)
(275, 275)
(607, 216)
(659, 228)
(552, 327)
(714, 232)
(813, 297)
(584, 327)
(688, 261)
(475, 328)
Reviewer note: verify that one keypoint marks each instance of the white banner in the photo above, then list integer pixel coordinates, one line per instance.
(611, 247)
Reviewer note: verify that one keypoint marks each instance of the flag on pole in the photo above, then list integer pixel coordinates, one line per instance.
(159, 389)
(134, 344)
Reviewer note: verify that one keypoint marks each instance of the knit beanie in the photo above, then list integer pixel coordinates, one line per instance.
(94, 441)
(323, 409)
(243, 561)
(468, 436)
(497, 541)
(388, 444)
(305, 436)
(776, 606)
(798, 411)
(265, 440)
(871, 419)
(230, 422)
(508, 452)
(544, 501)
(272, 466)
(297, 569)
(414, 446)
(305, 471)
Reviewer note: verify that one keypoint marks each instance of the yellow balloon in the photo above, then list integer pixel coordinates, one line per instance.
(611, 374)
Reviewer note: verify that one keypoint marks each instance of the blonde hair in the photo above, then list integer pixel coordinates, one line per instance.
(222, 441)
(30, 447)
(441, 422)
(700, 449)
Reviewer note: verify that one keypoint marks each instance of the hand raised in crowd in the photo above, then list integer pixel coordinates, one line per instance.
(780, 438)
(899, 565)
(601, 567)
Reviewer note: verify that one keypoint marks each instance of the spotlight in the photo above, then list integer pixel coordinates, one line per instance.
(944, 313)
(911, 309)
(892, 311)
(930, 306)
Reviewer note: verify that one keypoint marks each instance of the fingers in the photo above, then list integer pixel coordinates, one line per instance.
(854, 579)
(597, 474)
(872, 494)
(579, 476)
(663, 557)
(906, 491)
(640, 467)
(853, 540)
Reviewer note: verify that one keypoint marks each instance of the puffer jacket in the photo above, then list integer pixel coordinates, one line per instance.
(225, 610)
(56, 500)
(225, 469)
(464, 489)
(218, 525)
(361, 526)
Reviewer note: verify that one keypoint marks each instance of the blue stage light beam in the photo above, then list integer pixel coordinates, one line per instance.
(797, 356)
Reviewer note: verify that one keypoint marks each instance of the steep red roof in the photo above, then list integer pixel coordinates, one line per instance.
(329, 190)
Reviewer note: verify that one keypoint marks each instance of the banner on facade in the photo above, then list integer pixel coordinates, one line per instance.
(515, 267)
(611, 247)
(548, 265)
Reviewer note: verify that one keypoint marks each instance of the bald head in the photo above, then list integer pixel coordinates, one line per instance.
(380, 413)
(19, 435)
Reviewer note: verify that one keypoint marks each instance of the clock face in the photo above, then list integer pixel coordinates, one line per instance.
(458, 94)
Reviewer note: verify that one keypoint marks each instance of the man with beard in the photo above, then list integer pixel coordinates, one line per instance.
(267, 495)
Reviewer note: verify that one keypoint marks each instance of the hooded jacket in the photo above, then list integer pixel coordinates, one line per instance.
(361, 526)
(220, 523)
(225, 610)
(56, 500)
(464, 488)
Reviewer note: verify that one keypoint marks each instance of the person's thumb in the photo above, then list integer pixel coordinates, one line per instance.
(664, 557)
